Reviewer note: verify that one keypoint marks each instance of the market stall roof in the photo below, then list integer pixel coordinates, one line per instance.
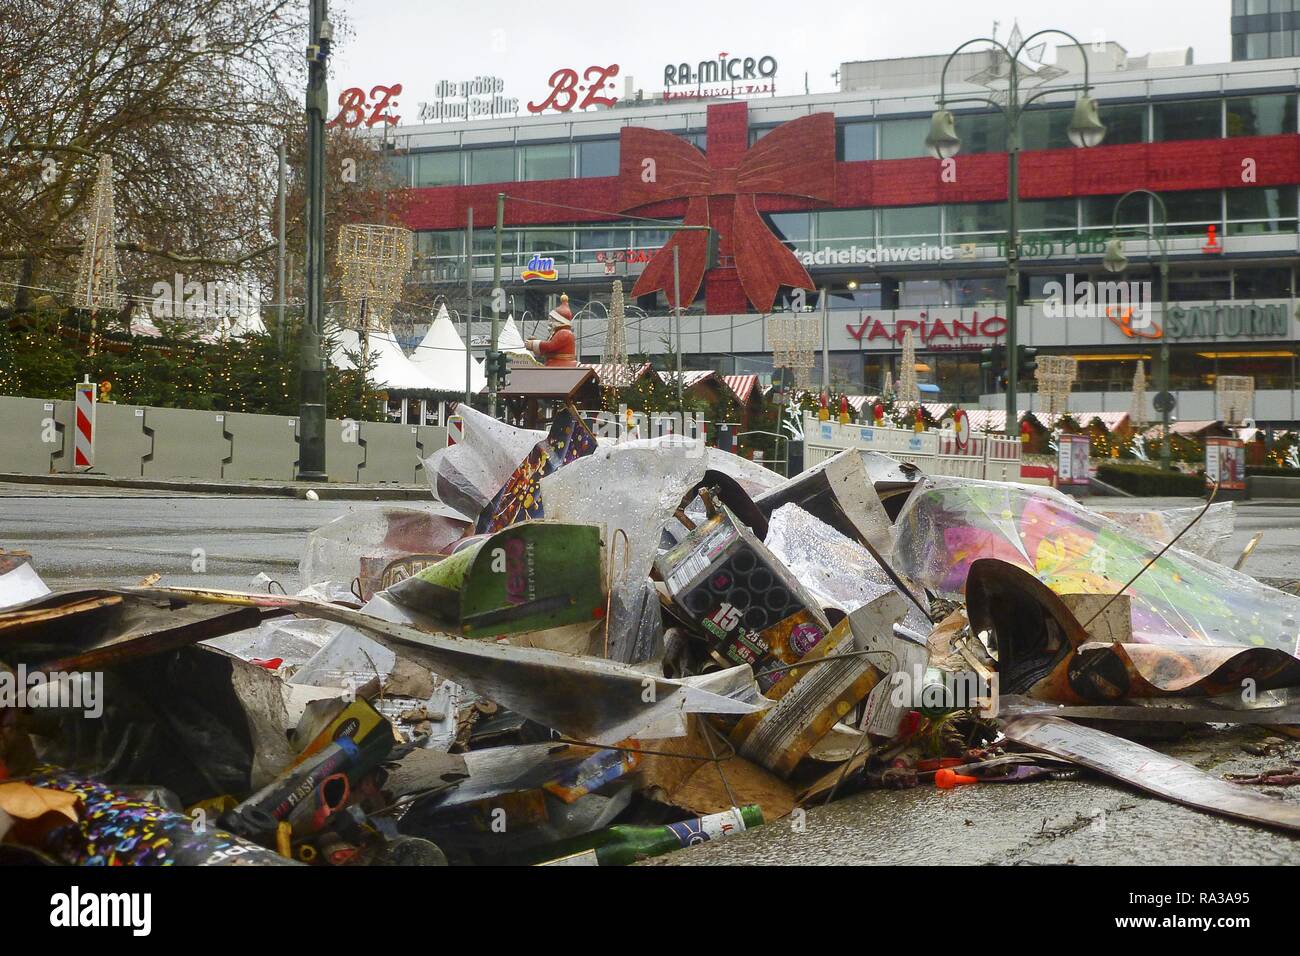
(1191, 429)
(1111, 421)
(742, 386)
(441, 357)
(690, 377)
(541, 382)
(617, 376)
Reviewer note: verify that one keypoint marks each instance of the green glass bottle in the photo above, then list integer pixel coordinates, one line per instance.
(623, 844)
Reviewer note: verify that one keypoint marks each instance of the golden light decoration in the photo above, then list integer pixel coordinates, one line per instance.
(794, 338)
(1055, 375)
(373, 262)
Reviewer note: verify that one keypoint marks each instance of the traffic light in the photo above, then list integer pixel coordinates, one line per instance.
(994, 360)
(498, 368)
(1025, 362)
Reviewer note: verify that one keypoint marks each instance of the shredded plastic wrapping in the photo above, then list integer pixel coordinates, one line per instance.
(1183, 598)
(1209, 537)
(293, 640)
(837, 571)
(361, 544)
(755, 479)
(467, 475)
(634, 487)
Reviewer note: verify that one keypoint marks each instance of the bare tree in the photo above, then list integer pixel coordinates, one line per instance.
(191, 98)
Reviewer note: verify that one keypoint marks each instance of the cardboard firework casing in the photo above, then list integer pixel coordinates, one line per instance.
(725, 581)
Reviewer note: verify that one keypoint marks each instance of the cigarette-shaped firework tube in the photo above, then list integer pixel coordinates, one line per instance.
(116, 830)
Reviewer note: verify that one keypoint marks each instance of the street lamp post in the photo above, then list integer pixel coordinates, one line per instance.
(1117, 261)
(1086, 130)
(311, 388)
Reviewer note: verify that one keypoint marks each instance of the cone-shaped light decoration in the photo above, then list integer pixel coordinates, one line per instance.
(1115, 260)
(942, 141)
(1086, 128)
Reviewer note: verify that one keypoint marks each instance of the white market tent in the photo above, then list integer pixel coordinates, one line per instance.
(392, 370)
(508, 338)
(440, 356)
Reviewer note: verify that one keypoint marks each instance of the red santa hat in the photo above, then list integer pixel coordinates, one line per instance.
(561, 315)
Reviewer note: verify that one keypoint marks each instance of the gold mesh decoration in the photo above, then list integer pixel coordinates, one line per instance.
(794, 339)
(1236, 395)
(1137, 412)
(97, 272)
(373, 262)
(1055, 375)
(908, 389)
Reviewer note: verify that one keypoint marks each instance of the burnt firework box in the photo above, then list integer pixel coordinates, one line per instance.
(751, 609)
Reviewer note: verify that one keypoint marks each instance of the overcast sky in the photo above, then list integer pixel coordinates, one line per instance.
(418, 43)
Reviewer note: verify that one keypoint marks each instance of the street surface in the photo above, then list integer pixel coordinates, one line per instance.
(87, 537)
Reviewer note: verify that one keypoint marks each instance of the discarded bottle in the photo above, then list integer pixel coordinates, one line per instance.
(620, 845)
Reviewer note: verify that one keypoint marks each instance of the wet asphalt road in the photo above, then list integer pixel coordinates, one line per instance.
(94, 537)
(115, 537)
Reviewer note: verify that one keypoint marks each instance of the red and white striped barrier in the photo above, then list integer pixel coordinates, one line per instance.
(455, 430)
(83, 441)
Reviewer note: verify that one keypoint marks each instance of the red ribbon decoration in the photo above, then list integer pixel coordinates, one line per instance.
(795, 159)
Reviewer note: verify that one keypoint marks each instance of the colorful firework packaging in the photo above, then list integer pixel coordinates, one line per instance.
(118, 830)
(520, 498)
(723, 580)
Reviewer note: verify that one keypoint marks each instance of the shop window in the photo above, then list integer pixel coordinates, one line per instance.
(1099, 211)
(1125, 123)
(557, 243)
(843, 228)
(548, 161)
(979, 289)
(1047, 129)
(603, 240)
(1187, 119)
(922, 293)
(1197, 287)
(650, 237)
(1262, 283)
(1269, 367)
(981, 132)
(792, 228)
(1048, 214)
(909, 225)
(598, 158)
(1272, 114)
(855, 141)
(904, 138)
(974, 218)
(1190, 211)
(1261, 209)
(437, 169)
(495, 165)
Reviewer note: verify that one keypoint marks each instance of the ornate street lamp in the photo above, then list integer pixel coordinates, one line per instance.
(942, 142)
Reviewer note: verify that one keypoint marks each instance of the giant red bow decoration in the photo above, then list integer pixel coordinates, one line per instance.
(795, 159)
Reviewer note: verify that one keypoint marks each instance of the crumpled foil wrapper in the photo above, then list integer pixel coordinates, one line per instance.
(836, 570)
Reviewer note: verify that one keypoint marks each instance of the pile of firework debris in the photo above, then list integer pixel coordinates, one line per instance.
(598, 652)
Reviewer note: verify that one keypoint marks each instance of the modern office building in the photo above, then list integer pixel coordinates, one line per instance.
(1265, 29)
(836, 191)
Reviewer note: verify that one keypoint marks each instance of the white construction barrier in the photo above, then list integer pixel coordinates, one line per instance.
(936, 452)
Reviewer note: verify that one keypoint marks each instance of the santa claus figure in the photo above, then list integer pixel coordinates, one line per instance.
(559, 350)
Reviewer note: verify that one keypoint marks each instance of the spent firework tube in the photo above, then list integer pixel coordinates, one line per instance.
(259, 814)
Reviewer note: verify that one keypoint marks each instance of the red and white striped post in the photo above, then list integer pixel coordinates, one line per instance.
(83, 440)
(455, 429)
